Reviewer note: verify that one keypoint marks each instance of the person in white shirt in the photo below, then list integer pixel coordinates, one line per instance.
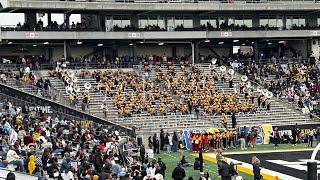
(151, 170)
(14, 158)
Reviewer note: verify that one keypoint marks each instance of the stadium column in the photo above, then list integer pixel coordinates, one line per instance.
(312, 20)
(102, 22)
(66, 48)
(195, 51)
(134, 52)
(196, 21)
(31, 19)
(134, 21)
(67, 19)
(256, 49)
(49, 17)
(255, 21)
(313, 46)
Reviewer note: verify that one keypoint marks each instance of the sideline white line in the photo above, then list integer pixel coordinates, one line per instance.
(263, 170)
(267, 151)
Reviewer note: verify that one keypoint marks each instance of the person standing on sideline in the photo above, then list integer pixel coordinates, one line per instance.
(256, 168)
(155, 142)
(224, 169)
(310, 137)
(295, 135)
(233, 120)
(175, 141)
(318, 135)
(276, 137)
(242, 139)
(162, 143)
(142, 153)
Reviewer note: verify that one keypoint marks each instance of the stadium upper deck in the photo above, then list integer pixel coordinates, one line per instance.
(163, 5)
(130, 22)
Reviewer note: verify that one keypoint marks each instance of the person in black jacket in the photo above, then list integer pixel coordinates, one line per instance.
(256, 168)
(155, 142)
(224, 170)
(142, 153)
(161, 139)
(161, 167)
(178, 173)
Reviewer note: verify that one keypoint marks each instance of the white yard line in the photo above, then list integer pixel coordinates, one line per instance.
(264, 170)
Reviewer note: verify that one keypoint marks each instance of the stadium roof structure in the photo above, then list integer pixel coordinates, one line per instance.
(191, 6)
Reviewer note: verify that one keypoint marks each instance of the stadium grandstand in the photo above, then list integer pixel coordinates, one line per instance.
(138, 89)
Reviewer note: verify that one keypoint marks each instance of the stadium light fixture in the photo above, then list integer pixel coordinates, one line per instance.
(131, 44)
(161, 44)
(269, 43)
(34, 45)
(9, 42)
(281, 42)
(207, 40)
(100, 45)
(141, 42)
(236, 40)
(252, 42)
(79, 42)
(221, 42)
(243, 44)
(46, 43)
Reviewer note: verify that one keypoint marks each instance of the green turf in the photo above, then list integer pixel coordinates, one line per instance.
(172, 159)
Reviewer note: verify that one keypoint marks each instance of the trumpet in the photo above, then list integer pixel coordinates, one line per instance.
(223, 68)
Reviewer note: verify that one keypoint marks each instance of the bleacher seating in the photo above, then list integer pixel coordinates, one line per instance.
(280, 113)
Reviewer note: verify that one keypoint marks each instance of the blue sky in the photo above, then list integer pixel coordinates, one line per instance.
(10, 19)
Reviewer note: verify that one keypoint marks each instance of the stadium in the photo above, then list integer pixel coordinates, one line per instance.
(159, 89)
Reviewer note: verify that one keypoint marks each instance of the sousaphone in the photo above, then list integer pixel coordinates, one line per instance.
(87, 86)
(244, 78)
(69, 90)
(231, 71)
(269, 95)
(223, 68)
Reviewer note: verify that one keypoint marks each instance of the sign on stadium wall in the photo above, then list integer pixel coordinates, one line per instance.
(133, 35)
(43, 109)
(226, 34)
(315, 33)
(32, 35)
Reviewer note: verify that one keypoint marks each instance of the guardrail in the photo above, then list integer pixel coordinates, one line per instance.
(47, 66)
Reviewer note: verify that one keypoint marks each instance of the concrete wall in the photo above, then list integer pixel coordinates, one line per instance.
(181, 36)
(210, 6)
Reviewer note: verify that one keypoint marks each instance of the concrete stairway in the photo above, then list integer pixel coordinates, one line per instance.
(280, 113)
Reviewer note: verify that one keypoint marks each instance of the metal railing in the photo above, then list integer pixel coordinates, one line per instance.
(77, 65)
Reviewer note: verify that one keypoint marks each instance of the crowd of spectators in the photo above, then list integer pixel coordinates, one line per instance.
(82, 26)
(53, 146)
(296, 82)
